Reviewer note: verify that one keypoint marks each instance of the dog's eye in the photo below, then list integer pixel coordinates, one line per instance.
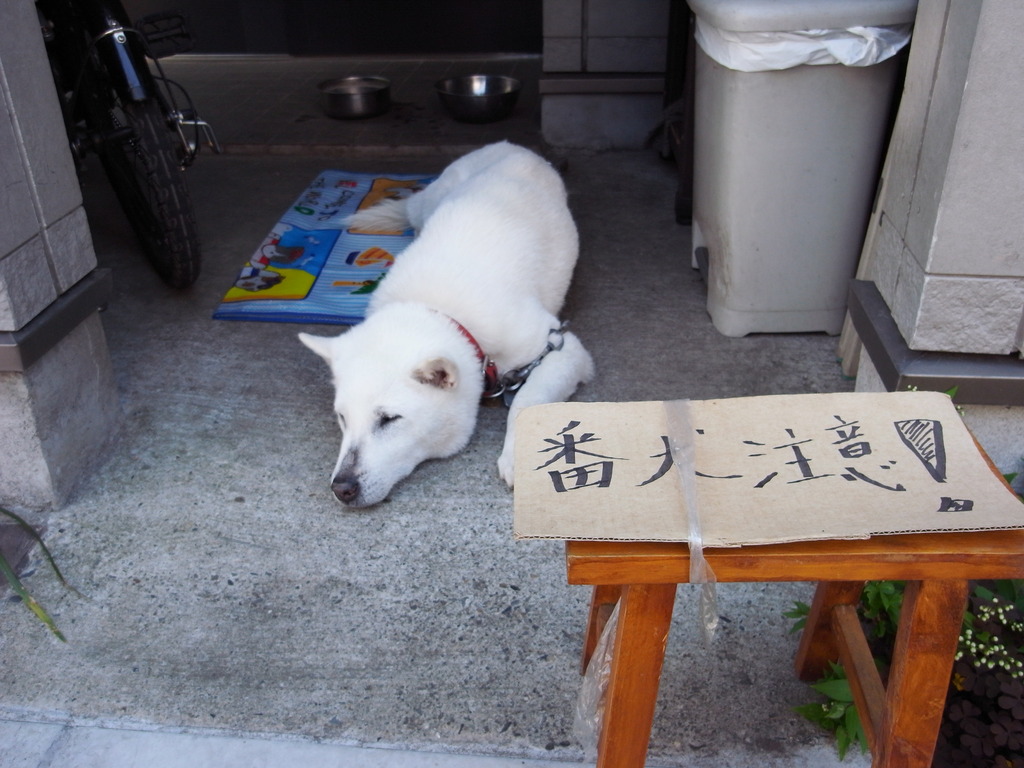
(385, 419)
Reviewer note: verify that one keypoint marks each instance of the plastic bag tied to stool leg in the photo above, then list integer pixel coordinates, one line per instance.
(590, 703)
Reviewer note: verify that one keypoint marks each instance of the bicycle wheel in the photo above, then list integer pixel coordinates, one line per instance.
(141, 157)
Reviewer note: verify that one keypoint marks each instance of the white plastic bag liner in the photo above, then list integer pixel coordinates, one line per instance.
(765, 51)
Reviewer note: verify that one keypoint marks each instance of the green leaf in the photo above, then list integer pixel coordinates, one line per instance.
(12, 578)
(880, 603)
(42, 546)
(800, 612)
(800, 608)
(836, 671)
(816, 714)
(842, 742)
(30, 602)
(1017, 587)
(856, 729)
(838, 690)
(836, 710)
(983, 592)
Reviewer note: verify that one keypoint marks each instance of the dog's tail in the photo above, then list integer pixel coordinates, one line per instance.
(388, 215)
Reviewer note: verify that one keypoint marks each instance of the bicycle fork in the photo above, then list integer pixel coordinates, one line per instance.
(123, 50)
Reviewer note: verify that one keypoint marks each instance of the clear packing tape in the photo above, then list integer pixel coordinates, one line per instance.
(766, 51)
(591, 700)
(681, 432)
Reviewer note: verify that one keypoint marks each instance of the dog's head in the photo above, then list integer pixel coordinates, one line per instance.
(399, 402)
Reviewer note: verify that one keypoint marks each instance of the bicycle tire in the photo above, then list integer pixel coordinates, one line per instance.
(145, 173)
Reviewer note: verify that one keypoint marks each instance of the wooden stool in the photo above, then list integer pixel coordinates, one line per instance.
(901, 721)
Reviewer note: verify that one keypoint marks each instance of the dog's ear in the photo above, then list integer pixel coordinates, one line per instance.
(439, 372)
(322, 345)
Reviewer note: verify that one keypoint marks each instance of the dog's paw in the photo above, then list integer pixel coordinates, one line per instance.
(506, 467)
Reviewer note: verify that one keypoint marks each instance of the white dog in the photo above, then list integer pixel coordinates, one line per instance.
(472, 303)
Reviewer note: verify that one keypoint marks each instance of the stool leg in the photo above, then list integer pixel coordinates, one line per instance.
(922, 663)
(818, 643)
(602, 601)
(645, 612)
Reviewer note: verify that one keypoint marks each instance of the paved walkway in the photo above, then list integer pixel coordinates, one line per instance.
(236, 618)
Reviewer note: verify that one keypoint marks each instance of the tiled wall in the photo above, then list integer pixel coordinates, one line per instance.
(604, 67)
(605, 35)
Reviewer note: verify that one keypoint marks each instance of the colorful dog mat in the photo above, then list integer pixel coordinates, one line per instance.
(310, 269)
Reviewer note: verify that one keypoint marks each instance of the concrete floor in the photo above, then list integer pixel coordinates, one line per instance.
(233, 615)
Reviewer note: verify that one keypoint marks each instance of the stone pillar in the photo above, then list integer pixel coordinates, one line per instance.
(944, 247)
(947, 254)
(58, 402)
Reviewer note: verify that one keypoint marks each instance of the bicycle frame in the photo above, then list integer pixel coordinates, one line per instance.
(123, 50)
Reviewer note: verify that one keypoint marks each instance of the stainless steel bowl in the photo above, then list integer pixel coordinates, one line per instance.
(479, 98)
(346, 98)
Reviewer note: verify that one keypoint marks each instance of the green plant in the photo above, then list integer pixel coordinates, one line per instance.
(879, 609)
(983, 723)
(799, 615)
(12, 578)
(984, 718)
(880, 606)
(993, 635)
(951, 392)
(838, 714)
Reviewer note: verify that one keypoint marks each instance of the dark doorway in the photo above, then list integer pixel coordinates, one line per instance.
(357, 27)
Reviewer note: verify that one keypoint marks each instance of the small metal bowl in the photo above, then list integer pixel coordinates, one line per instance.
(479, 98)
(346, 98)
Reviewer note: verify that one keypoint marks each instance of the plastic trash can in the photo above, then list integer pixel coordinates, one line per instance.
(792, 105)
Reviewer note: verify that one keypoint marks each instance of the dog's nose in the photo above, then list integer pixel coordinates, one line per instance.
(347, 490)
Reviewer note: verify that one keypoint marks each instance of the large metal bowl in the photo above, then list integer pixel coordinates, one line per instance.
(479, 98)
(346, 98)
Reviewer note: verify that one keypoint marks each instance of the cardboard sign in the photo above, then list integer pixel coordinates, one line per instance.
(761, 470)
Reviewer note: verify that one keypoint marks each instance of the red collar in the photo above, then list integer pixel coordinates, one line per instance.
(492, 381)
